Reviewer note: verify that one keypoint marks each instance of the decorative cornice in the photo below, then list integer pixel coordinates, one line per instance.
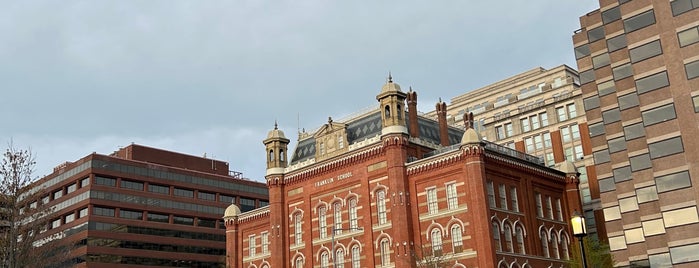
(255, 214)
(433, 162)
(541, 170)
(332, 164)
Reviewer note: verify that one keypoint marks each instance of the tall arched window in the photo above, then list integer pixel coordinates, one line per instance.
(299, 262)
(456, 238)
(400, 112)
(508, 238)
(324, 263)
(337, 211)
(381, 206)
(385, 252)
(436, 237)
(564, 248)
(322, 221)
(496, 236)
(387, 111)
(353, 213)
(340, 255)
(554, 247)
(544, 244)
(297, 228)
(355, 257)
(281, 155)
(271, 155)
(519, 236)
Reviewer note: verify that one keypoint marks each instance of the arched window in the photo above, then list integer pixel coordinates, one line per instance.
(271, 155)
(496, 236)
(353, 213)
(340, 255)
(355, 257)
(554, 247)
(281, 155)
(564, 248)
(337, 211)
(456, 238)
(381, 206)
(322, 221)
(399, 112)
(324, 263)
(436, 237)
(544, 244)
(508, 238)
(387, 111)
(385, 252)
(299, 262)
(297, 228)
(519, 236)
(265, 266)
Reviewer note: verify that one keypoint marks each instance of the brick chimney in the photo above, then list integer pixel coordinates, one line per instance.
(412, 114)
(442, 120)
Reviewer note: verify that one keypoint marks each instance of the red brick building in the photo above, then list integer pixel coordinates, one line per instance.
(389, 188)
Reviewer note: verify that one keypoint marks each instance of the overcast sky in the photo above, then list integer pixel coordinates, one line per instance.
(211, 77)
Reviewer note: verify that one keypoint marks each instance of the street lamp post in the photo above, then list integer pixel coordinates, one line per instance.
(579, 231)
(332, 247)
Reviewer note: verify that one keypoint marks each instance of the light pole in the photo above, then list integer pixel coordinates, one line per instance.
(332, 249)
(577, 222)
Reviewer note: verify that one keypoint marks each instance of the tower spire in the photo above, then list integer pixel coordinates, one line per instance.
(390, 78)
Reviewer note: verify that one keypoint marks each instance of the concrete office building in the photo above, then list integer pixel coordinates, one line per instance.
(145, 206)
(539, 112)
(390, 188)
(639, 63)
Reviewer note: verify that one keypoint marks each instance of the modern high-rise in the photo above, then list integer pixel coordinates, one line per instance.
(145, 206)
(539, 112)
(639, 63)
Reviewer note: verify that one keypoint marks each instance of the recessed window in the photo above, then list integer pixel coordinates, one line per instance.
(659, 115)
(591, 103)
(640, 162)
(639, 21)
(680, 217)
(611, 116)
(695, 100)
(616, 43)
(628, 204)
(616, 145)
(606, 185)
(184, 192)
(646, 194)
(161, 189)
(665, 147)
(634, 131)
(587, 76)
(102, 211)
(612, 213)
(628, 101)
(132, 185)
(158, 217)
(622, 174)
(652, 82)
(601, 156)
(684, 253)
(183, 220)
(105, 181)
(617, 243)
(130, 214)
(582, 51)
(623, 71)
(653, 227)
(606, 88)
(71, 188)
(692, 69)
(634, 235)
(682, 6)
(596, 129)
(595, 34)
(610, 15)
(689, 36)
(206, 196)
(645, 51)
(660, 260)
(673, 181)
(600, 60)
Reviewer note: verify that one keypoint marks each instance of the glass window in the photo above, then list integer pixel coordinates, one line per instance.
(673, 181)
(105, 181)
(689, 36)
(628, 101)
(209, 223)
(601, 156)
(606, 185)
(247, 204)
(653, 227)
(606, 88)
(381, 206)
(500, 132)
(57, 194)
(692, 69)
(352, 213)
(695, 100)
(265, 242)
(652, 82)
(680, 217)
(84, 182)
(525, 125)
(322, 221)
(226, 199)
(452, 200)
(355, 257)
(582, 51)
(432, 207)
(514, 199)
(206, 196)
(102, 211)
(665, 147)
(587, 76)
(612, 213)
(660, 260)
(616, 145)
(491, 194)
(539, 206)
(645, 51)
(611, 116)
(646, 194)
(544, 117)
(616, 43)
(132, 185)
(69, 218)
(600, 60)
(617, 243)
(595, 34)
(456, 238)
(298, 219)
(337, 219)
(436, 239)
(71, 188)
(684, 254)
(252, 246)
(562, 115)
(82, 213)
(184, 192)
(622, 174)
(596, 129)
(682, 6)
(628, 204)
(183, 220)
(611, 14)
(130, 214)
(158, 217)
(502, 194)
(623, 71)
(640, 162)
(634, 131)
(591, 103)
(154, 188)
(634, 235)
(385, 252)
(659, 115)
(639, 21)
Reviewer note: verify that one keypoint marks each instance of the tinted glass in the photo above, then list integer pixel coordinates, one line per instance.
(622, 71)
(596, 129)
(582, 51)
(622, 174)
(666, 147)
(639, 21)
(673, 181)
(600, 60)
(611, 15)
(618, 144)
(606, 88)
(692, 69)
(645, 51)
(640, 162)
(628, 101)
(611, 116)
(688, 37)
(595, 34)
(591, 103)
(634, 131)
(607, 185)
(682, 6)
(601, 156)
(659, 115)
(685, 253)
(587, 76)
(616, 43)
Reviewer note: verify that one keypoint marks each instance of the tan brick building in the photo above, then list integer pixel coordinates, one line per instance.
(639, 63)
(391, 188)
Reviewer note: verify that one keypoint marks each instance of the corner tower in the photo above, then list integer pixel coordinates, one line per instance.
(392, 103)
(276, 148)
(276, 145)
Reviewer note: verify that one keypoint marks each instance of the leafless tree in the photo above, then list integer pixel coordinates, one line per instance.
(431, 259)
(24, 216)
